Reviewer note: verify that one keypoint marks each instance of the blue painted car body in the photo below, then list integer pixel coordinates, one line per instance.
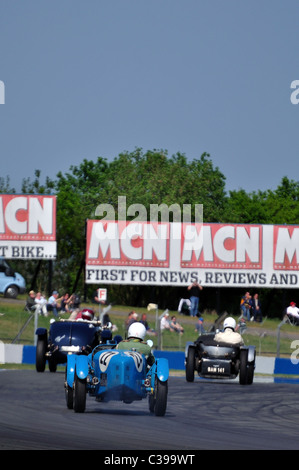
(110, 374)
(64, 338)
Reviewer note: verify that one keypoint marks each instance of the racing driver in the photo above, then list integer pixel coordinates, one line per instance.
(229, 335)
(136, 334)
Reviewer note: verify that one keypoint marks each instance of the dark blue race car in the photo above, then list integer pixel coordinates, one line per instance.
(68, 337)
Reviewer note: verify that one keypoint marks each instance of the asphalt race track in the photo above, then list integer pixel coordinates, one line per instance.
(203, 415)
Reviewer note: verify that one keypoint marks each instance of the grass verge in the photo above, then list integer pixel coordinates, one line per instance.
(262, 336)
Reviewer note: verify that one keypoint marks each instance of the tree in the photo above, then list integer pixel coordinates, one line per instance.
(283, 202)
(78, 194)
(207, 187)
(36, 187)
(5, 187)
(264, 207)
(154, 178)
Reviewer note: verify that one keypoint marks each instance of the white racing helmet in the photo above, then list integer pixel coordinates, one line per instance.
(137, 330)
(229, 322)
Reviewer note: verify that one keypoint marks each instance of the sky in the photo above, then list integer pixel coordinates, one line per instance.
(83, 79)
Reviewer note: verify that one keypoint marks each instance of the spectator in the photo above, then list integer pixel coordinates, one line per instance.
(132, 317)
(194, 289)
(30, 302)
(53, 303)
(66, 303)
(144, 321)
(74, 306)
(175, 326)
(41, 304)
(184, 306)
(293, 312)
(75, 302)
(256, 309)
(246, 305)
(199, 326)
(164, 323)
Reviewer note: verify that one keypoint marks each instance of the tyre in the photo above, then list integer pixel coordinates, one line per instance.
(79, 398)
(68, 394)
(52, 365)
(151, 403)
(161, 398)
(243, 367)
(40, 359)
(190, 365)
(250, 373)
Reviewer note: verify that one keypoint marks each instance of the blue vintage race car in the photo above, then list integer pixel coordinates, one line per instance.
(110, 374)
(67, 337)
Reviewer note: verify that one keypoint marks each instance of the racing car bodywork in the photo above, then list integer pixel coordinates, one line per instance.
(110, 374)
(65, 337)
(211, 359)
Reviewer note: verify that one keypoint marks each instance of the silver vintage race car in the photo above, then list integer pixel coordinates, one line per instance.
(216, 360)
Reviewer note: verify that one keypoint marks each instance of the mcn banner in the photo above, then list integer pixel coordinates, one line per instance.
(176, 254)
(27, 226)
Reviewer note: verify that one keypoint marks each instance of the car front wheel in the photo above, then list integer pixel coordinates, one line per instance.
(79, 394)
(40, 360)
(161, 398)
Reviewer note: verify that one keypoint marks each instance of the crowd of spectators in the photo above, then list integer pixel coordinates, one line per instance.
(251, 307)
(37, 302)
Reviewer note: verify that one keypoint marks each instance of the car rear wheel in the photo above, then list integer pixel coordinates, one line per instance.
(40, 360)
(190, 365)
(79, 394)
(243, 367)
(250, 373)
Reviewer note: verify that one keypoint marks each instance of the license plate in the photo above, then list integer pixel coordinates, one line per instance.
(216, 368)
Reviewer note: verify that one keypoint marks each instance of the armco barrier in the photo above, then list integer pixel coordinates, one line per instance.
(19, 354)
(11, 353)
(285, 366)
(176, 359)
(26, 355)
(29, 353)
